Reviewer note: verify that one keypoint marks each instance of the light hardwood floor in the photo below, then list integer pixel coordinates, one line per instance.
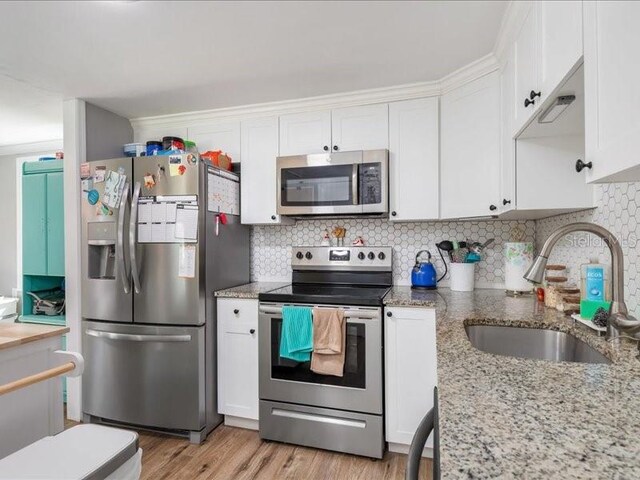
(238, 454)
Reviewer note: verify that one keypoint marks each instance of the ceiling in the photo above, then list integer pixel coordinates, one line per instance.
(153, 58)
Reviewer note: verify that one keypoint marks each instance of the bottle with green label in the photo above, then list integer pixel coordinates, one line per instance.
(595, 287)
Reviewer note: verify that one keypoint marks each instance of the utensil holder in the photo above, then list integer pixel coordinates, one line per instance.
(462, 277)
(518, 257)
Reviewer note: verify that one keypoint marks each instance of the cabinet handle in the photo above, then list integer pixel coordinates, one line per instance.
(236, 311)
(393, 214)
(335, 147)
(533, 94)
(528, 102)
(580, 165)
(273, 217)
(252, 331)
(389, 314)
(325, 148)
(492, 207)
(505, 201)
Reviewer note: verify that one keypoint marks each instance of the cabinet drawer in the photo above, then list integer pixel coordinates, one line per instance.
(247, 311)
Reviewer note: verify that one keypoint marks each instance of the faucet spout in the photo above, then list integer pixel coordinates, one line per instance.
(619, 319)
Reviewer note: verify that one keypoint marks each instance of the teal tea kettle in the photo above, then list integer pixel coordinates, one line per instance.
(423, 275)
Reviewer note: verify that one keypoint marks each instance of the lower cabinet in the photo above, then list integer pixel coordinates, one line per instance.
(411, 371)
(238, 357)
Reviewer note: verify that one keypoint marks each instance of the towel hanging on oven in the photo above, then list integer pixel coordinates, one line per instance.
(296, 339)
(329, 341)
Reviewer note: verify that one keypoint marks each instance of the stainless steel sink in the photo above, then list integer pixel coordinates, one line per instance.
(535, 343)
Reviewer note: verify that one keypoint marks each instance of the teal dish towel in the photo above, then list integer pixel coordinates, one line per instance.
(296, 340)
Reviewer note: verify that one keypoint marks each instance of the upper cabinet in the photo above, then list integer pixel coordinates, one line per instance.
(305, 133)
(507, 155)
(360, 128)
(223, 136)
(546, 50)
(470, 149)
(612, 98)
(413, 160)
(343, 129)
(259, 143)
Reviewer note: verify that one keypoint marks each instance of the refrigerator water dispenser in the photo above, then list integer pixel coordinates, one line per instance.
(101, 237)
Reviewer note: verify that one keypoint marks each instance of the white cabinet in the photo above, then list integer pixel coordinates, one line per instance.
(259, 145)
(410, 370)
(612, 96)
(343, 129)
(360, 128)
(238, 357)
(305, 133)
(560, 41)
(470, 149)
(526, 68)
(507, 143)
(223, 136)
(414, 159)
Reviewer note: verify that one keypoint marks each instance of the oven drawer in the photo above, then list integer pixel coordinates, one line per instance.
(338, 430)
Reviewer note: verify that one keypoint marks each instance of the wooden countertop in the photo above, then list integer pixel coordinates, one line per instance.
(13, 334)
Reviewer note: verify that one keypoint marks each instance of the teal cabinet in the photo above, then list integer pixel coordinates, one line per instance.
(55, 224)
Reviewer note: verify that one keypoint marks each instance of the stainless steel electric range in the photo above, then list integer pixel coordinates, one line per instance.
(298, 406)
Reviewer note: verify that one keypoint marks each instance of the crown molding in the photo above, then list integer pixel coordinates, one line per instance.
(474, 70)
(33, 147)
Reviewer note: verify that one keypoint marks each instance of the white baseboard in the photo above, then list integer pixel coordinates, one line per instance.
(248, 423)
(402, 448)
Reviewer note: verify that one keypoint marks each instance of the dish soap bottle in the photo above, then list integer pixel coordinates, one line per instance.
(595, 287)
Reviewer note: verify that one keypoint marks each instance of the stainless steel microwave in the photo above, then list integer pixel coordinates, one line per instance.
(333, 183)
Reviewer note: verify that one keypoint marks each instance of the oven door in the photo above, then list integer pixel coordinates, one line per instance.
(359, 390)
(319, 184)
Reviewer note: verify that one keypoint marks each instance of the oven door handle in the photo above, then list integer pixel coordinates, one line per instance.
(350, 314)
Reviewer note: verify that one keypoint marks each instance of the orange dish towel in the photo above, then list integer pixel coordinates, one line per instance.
(329, 341)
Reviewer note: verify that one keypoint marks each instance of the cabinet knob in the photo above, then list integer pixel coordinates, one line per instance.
(389, 314)
(326, 148)
(335, 147)
(492, 207)
(252, 331)
(393, 214)
(236, 311)
(528, 102)
(505, 201)
(580, 165)
(273, 217)
(533, 94)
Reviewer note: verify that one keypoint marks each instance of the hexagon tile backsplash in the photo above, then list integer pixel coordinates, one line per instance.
(618, 205)
(271, 245)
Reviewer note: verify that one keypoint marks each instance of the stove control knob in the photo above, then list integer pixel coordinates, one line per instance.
(381, 256)
(371, 255)
(299, 255)
(308, 255)
(361, 255)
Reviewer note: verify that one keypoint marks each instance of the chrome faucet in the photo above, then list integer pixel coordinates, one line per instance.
(619, 318)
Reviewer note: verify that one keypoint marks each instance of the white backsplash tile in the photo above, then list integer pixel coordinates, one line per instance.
(617, 208)
(271, 245)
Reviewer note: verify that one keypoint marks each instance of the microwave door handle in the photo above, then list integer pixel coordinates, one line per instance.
(354, 184)
(133, 231)
(124, 275)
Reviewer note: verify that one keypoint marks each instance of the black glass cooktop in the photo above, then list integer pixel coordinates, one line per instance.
(327, 294)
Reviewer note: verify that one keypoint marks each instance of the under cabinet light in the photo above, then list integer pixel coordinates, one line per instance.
(553, 111)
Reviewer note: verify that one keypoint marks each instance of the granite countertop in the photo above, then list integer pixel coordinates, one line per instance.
(506, 417)
(249, 290)
(14, 334)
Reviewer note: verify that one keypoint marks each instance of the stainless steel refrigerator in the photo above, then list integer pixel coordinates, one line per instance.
(154, 249)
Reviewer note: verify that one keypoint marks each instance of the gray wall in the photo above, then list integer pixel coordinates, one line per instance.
(7, 224)
(106, 133)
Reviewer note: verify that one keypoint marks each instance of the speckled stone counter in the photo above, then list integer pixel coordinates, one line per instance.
(505, 417)
(249, 290)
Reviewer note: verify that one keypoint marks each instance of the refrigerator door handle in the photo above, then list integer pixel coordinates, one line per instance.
(124, 275)
(138, 338)
(133, 230)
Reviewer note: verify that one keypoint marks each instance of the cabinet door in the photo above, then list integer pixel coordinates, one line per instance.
(526, 68)
(560, 41)
(507, 155)
(360, 128)
(413, 159)
(470, 149)
(258, 180)
(34, 224)
(410, 370)
(612, 96)
(238, 358)
(217, 136)
(305, 133)
(55, 224)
